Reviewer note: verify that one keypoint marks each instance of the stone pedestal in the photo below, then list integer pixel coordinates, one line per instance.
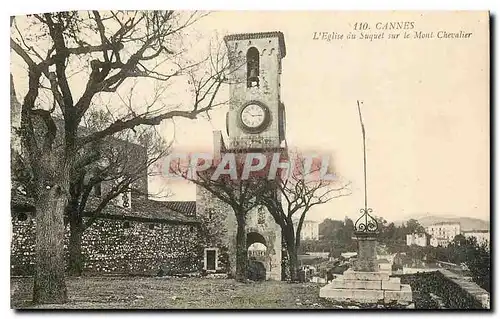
(367, 252)
(364, 283)
(367, 287)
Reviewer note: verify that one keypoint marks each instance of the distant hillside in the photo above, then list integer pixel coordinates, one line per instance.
(466, 223)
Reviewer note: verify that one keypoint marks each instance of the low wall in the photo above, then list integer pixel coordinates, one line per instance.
(116, 246)
(444, 289)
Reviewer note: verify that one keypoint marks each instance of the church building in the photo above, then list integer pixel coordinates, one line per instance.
(138, 236)
(255, 122)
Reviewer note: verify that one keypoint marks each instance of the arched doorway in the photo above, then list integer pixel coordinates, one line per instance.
(257, 256)
(254, 237)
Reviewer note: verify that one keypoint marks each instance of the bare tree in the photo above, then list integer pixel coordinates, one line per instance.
(104, 51)
(123, 164)
(291, 195)
(120, 167)
(239, 193)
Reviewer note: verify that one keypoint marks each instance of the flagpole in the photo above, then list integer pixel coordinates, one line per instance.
(364, 152)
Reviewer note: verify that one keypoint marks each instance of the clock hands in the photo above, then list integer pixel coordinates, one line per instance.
(253, 116)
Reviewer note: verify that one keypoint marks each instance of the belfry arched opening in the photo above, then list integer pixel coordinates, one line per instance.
(257, 256)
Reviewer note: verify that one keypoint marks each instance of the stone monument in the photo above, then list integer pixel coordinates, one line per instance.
(363, 282)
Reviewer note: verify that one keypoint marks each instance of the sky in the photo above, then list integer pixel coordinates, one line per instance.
(425, 108)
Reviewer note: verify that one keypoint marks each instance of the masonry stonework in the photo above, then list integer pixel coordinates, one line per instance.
(118, 246)
(219, 229)
(128, 243)
(213, 214)
(255, 80)
(271, 50)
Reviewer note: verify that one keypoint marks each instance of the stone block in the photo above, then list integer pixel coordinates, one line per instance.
(342, 283)
(350, 274)
(392, 284)
(364, 295)
(338, 282)
(385, 267)
(403, 295)
(335, 293)
(358, 295)
(363, 284)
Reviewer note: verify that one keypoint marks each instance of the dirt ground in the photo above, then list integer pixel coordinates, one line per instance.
(180, 293)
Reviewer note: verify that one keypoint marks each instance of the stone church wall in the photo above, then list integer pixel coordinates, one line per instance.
(213, 214)
(219, 224)
(118, 246)
(271, 232)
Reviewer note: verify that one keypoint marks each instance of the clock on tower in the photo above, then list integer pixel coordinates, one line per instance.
(256, 117)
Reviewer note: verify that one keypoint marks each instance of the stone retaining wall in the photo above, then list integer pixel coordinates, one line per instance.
(117, 246)
(455, 292)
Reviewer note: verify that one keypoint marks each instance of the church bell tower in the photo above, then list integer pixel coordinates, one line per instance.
(256, 117)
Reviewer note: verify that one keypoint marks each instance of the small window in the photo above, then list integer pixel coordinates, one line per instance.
(210, 260)
(152, 226)
(22, 217)
(126, 224)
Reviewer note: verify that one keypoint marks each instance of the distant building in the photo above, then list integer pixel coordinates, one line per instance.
(257, 250)
(442, 233)
(482, 236)
(310, 229)
(419, 239)
(439, 241)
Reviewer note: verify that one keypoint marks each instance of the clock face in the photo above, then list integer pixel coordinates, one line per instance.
(253, 116)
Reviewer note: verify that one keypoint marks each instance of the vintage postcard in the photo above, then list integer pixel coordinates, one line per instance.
(250, 160)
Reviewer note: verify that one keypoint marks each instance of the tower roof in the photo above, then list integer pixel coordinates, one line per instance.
(260, 35)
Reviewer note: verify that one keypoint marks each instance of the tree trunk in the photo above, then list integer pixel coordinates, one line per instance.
(49, 285)
(293, 261)
(75, 263)
(241, 251)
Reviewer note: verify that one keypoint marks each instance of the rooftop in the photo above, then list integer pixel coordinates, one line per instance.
(160, 211)
(260, 35)
(179, 212)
